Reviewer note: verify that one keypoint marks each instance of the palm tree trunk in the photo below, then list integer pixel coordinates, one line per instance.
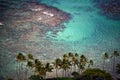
(26, 78)
(63, 73)
(103, 64)
(74, 67)
(70, 71)
(17, 72)
(79, 69)
(114, 65)
(22, 70)
(56, 73)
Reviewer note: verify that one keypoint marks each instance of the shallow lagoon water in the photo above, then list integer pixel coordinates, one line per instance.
(77, 28)
(88, 28)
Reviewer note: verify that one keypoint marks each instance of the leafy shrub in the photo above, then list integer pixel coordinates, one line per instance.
(75, 74)
(96, 74)
(9, 79)
(65, 79)
(35, 77)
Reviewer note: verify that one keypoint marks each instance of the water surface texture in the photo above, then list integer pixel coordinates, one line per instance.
(92, 25)
(93, 29)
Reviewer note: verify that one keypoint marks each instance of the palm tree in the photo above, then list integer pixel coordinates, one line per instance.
(38, 66)
(105, 57)
(76, 55)
(48, 68)
(75, 62)
(41, 71)
(57, 64)
(115, 54)
(30, 63)
(65, 65)
(65, 56)
(90, 63)
(82, 63)
(70, 55)
(20, 58)
(30, 56)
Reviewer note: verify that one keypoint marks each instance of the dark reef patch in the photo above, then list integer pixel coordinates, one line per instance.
(110, 8)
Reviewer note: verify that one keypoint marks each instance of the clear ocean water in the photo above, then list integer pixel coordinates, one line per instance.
(88, 29)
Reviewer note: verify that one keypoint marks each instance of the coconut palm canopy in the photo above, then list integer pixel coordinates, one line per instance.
(50, 28)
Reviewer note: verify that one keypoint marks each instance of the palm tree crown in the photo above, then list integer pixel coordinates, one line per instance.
(20, 57)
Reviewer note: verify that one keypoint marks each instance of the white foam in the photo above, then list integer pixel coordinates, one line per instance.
(1, 23)
(38, 9)
(49, 14)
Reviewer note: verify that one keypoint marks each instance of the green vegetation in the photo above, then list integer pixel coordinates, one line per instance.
(75, 75)
(65, 78)
(96, 73)
(77, 66)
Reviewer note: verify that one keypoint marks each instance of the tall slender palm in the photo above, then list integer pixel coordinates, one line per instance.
(82, 63)
(38, 67)
(65, 65)
(30, 63)
(46, 68)
(83, 60)
(105, 57)
(76, 61)
(115, 55)
(90, 63)
(70, 55)
(20, 58)
(66, 58)
(57, 64)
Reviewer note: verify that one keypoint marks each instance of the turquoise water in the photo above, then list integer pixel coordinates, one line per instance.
(89, 32)
(88, 29)
(77, 28)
